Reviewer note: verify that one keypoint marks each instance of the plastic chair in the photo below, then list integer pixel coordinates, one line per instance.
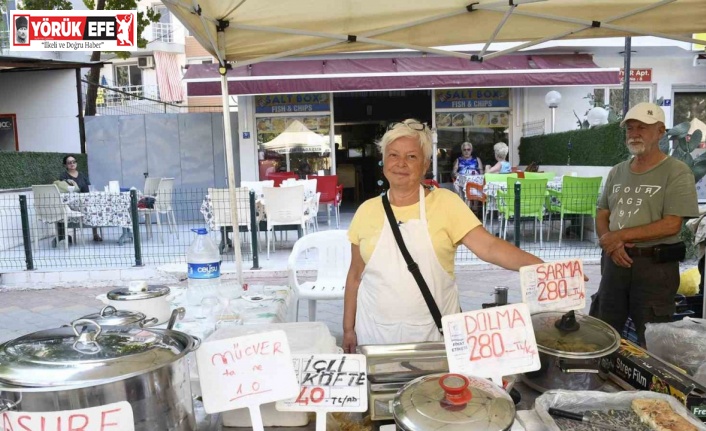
(475, 193)
(151, 186)
(162, 205)
(257, 186)
(431, 182)
(499, 178)
(532, 196)
(49, 209)
(545, 175)
(278, 177)
(578, 195)
(334, 259)
(331, 194)
(284, 207)
(220, 203)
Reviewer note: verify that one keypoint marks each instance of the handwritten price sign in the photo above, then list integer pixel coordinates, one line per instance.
(487, 342)
(115, 416)
(246, 372)
(331, 383)
(553, 286)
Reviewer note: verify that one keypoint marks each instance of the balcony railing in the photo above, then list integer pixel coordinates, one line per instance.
(162, 31)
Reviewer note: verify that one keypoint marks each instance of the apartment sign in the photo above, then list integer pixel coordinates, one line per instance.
(67, 30)
(637, 75)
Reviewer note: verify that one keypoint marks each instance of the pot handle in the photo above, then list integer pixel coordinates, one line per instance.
(568, 368)
(177, 313)
(7, 405)
(86, 338)
(197, 343)
(149, 322)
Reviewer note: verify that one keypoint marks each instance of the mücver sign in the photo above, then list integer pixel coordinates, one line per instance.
(491, 341)
(553, 286)
(110, 417)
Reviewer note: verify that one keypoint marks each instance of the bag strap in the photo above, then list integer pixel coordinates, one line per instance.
(412, 265)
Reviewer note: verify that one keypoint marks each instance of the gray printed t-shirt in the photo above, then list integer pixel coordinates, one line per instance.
(639, 199)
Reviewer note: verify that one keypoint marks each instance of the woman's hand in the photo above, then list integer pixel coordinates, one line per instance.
(350, 341)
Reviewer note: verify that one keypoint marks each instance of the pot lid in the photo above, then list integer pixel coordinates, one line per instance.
(86, 354)
(590, 338)
(453, 402)
(110, 316)
(138, 290)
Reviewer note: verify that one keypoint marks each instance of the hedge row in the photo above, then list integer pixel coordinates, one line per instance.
(23, 169)
(598, 146)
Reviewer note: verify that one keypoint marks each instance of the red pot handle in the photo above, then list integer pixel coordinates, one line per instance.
(455, 387)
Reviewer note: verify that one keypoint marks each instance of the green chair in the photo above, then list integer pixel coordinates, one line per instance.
(578, 195)
(499, 178)
(546, 175)
(533, 193)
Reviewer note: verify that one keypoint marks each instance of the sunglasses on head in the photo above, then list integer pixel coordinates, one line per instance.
(414, 125)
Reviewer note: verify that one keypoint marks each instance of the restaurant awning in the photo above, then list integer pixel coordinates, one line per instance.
(398, 73)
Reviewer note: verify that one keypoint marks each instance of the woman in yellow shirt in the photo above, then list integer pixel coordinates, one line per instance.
(383, 303)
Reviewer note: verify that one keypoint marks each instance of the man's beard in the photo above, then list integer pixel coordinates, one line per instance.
(636, 147)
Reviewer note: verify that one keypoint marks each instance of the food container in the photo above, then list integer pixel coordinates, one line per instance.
(151, 300)
(110, 316)
(85, 366)
(453, 402)
(391, 366)
(570, 351)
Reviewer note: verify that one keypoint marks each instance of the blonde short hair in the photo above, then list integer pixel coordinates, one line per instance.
(406, 129)
(466, 144)
(501, 149)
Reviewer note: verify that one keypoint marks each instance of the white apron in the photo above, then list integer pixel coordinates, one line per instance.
(391, 308)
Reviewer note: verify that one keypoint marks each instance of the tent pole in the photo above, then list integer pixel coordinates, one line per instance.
(230, 159)
(626, 76)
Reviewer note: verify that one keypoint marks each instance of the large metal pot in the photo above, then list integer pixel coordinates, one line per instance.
(570, 347)
(151, 300)
(110, 316)
(453, 402)
(87, 365)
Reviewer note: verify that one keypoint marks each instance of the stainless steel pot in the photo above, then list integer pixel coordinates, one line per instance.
(110, 316)
(86, 365)
(151, 300)
(570, 347)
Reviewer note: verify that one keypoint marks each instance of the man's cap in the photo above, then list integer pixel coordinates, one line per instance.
(648, 113)
(21, 21)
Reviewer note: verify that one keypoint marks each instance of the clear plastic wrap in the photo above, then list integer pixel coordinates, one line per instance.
(579, 401)
(681, 343)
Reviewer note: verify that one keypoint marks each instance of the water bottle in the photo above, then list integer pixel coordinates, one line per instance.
(204, 269)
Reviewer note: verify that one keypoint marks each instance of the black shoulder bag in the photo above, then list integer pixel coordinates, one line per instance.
(412, 265)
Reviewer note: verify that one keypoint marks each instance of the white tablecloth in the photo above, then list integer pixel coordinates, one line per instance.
(101, 208)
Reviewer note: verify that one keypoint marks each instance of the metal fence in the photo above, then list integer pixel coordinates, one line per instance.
(44, 229)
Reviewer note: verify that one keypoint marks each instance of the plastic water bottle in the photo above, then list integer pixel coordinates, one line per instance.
(204, 269)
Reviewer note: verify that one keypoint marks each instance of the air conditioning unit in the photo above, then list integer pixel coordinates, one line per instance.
(145, 62)
(699, 60)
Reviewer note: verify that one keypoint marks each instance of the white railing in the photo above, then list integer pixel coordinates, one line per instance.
(162, 31)
(135, 93)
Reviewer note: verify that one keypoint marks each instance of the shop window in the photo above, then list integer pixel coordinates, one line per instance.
(613, 97)
(689, 105)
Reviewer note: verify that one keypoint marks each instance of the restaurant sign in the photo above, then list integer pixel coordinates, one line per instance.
(491, 341)
(472, 98)
(637, 75)
(292, 103)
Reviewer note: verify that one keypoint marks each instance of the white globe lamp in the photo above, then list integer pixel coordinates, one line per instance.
(553, 99)
(597, 116)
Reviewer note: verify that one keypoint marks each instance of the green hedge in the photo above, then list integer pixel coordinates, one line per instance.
(598, 146)
(23, 169)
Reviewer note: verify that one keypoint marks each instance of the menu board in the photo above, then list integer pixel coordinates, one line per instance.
(115, 416)
(553, 286)
(490, 342)
(333, 383)
(474, 119)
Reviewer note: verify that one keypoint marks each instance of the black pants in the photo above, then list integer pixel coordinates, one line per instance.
(645, 293)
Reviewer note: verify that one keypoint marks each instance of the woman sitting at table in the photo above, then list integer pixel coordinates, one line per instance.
(502, 166)
(468, 163)
(75, 178)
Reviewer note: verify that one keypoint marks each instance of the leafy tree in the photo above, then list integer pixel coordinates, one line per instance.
(46, 5)
(683, 148)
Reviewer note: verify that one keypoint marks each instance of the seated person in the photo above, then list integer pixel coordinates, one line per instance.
(502, 166)
(75, 178)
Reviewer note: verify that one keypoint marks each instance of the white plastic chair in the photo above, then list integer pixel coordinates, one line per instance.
(257, 186)
(334, 259)
(50, 209)
(311, 218)
(151, 186)
(162, 205)
(220, 202)
(284, 207)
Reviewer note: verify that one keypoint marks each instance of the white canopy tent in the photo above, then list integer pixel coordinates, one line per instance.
(252, 31)
(299, 138)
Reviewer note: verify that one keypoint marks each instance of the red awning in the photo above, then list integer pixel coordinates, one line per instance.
(371, 74)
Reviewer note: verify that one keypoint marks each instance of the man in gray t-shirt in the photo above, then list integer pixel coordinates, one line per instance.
(643, 205)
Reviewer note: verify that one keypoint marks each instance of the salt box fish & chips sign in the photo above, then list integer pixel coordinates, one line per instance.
(491, 342)
(66, 30)
(553, 286)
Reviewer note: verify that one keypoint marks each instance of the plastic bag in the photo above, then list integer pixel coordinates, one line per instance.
(579, 401)
(689, 282)
(680, 343)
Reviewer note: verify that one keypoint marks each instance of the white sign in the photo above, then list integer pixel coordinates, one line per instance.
(332, 383)
(246, 372)
(553, 286)
(491, 342)
(73, 30)
(110, 417)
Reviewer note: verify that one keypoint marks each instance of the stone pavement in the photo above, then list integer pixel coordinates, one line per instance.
(26, 311)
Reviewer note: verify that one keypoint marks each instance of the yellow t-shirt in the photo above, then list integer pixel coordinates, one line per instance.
(449, 219)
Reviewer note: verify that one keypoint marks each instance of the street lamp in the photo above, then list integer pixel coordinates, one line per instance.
(597, 116)
(553, 99)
